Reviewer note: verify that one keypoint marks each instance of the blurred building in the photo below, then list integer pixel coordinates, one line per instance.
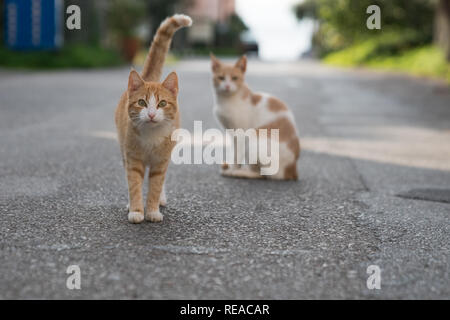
(32, 24)
(209, 15)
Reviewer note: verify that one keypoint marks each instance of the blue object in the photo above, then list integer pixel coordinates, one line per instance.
(33, 24)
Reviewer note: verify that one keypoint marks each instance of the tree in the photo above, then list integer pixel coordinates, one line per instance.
(442, 26)
(343, 22)
(90, 30)
(307, 9)
(227, 33)
(158, 10)
(124, 16)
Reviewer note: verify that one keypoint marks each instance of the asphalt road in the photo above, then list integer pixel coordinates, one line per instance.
(373, 190)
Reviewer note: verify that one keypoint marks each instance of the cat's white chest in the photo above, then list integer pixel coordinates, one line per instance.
(234, 113)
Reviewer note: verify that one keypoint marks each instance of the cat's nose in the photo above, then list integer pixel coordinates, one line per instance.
(151, 115)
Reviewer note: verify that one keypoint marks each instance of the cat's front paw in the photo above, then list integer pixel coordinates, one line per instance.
(135, 217)
(154, 216)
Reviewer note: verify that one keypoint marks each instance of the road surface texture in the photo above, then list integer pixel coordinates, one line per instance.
(374, 189)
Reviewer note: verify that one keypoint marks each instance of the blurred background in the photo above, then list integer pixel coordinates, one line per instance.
(414, 35)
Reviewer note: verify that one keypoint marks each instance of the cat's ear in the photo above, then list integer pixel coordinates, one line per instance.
(241, 64)
(134, 81)
(171, 83)
(215, 63)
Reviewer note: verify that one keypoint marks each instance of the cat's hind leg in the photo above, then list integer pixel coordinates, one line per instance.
(287, 169)
(244, 171)
(126, 179)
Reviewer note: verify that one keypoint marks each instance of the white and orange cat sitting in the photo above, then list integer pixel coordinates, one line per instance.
(237, 107)
(145, 118)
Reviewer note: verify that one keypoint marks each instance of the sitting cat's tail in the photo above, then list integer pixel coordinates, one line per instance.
(154, 62)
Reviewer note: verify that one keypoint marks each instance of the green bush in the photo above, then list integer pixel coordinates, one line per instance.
(389, 43)
(73, 56)
(205, 51)
(424, 61)
(342, 23)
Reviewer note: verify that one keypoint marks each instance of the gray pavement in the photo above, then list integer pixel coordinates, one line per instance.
(373, 190)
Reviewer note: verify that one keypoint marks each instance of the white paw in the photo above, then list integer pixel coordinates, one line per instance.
(154, 216)
(135, 217)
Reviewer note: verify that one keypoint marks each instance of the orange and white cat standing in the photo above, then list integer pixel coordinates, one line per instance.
(237, 107)
(145, 118)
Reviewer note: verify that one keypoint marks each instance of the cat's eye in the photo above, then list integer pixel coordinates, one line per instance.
(142, 103)
(162, 103)
(234, 78)
(221, 78)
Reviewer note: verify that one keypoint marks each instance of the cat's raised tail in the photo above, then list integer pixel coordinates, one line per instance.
(154, 62)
